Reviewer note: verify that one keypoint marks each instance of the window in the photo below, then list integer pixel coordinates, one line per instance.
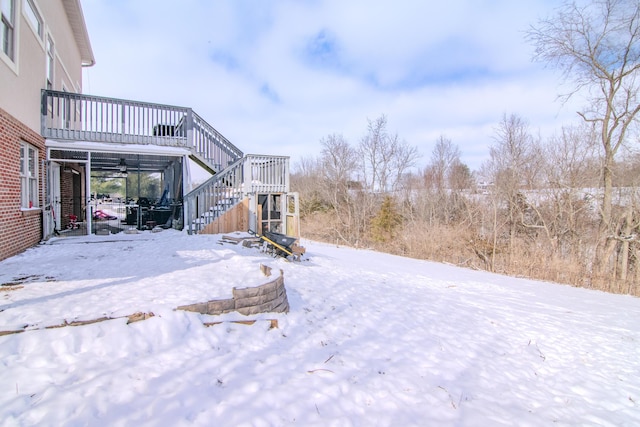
(28, 176)
(7, 8)
(34, 17)
(50, 62)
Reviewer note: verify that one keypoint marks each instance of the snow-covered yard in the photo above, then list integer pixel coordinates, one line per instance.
(371, 339)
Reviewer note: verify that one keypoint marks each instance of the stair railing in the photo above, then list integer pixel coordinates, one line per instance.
(252, 174)
(212, 198)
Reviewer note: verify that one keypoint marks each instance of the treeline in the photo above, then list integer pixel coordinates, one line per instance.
(565, 209)
(534, 209)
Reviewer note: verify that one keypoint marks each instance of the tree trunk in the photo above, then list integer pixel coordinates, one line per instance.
(624, 250)
(635, 282)
(604, 232)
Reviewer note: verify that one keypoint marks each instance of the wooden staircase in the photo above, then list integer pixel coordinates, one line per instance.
(236, 177)
(223, 194)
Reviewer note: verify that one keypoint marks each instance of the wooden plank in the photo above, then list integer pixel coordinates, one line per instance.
(234, 219)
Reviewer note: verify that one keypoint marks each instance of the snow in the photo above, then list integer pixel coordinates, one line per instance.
(371, 339)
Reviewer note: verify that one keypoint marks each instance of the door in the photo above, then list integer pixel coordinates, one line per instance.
(52, 202)
(55, 195)
(292, 217)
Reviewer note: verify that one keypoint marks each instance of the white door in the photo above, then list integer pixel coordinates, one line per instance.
(51, 213)
(54, 193)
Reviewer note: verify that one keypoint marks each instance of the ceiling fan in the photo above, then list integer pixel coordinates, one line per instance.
(121, 167)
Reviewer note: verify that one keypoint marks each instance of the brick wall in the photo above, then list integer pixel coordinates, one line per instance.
(66, 201)
(19, 229)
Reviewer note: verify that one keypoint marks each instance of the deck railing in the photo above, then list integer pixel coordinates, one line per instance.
(250, 175)
(211, 145)
(78, 117)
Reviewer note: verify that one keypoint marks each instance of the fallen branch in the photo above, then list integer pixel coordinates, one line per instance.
(273, 323)
(313, 371)
(131, 318)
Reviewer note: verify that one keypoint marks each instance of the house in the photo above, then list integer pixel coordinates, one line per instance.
(58, 144)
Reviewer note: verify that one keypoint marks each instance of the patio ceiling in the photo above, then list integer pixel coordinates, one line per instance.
(104, 162)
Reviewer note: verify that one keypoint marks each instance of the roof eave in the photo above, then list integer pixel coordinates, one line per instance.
(73, 9)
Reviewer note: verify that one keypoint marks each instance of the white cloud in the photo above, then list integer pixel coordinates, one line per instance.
(248, 68)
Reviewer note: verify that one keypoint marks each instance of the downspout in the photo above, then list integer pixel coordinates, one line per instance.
(187, 214)
(187, 207)
(87, 179)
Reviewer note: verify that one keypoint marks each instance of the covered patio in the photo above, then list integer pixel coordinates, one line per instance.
(97, 188)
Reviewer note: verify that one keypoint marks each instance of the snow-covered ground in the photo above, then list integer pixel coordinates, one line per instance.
(371, 339)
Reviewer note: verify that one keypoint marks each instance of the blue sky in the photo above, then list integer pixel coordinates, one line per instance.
(276, 76)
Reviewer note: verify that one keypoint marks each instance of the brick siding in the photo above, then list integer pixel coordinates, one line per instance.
(66, 202)
(19, 229)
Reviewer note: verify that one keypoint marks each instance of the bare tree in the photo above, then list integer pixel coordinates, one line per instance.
(404, 159)
(564, 203)
(306, 180)
(374, 157)
(595, 44)
(338, 160)
(459, 176)
(444, 156)
(338, 163)
(444, 178)
(351, 182)
(512, 155)
(571, 158)
(385, 158)
(509, 159)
